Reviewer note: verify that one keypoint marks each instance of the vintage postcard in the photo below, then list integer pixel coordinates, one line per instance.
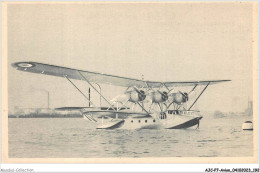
(129, 82)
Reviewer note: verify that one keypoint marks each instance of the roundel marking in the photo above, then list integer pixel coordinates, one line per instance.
(25, 65)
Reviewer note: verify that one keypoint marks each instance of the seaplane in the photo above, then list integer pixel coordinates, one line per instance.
(143, 105)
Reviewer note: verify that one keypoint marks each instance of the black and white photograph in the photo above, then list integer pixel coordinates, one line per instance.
(130, 82)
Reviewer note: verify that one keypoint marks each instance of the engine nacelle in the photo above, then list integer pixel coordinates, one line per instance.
(135, 96)
(179, 98)
(158, 97)
(131, 96)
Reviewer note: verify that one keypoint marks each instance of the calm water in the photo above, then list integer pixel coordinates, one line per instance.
(75, 137)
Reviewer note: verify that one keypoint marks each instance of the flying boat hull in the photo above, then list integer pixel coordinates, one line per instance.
(132, 120)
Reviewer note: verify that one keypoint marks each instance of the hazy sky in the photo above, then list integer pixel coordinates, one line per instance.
(162, 41)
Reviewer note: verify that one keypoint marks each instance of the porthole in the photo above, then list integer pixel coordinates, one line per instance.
(154, 121)
(145, 121)
(139, 121)
(132, 121)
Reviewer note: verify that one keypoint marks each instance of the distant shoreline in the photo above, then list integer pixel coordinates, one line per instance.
(47, 116)
(39, 117)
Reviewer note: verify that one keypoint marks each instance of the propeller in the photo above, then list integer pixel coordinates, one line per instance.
(185, 95)
(141, 94)
(164, 95)
(178, 98)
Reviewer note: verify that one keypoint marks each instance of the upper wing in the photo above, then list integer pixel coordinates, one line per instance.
(59, 71)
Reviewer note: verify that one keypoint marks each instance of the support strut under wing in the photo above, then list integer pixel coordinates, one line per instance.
(80, 91)
(142, 107)
(97, 91)
(199, 96)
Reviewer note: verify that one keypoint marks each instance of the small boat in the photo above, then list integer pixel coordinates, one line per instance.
(248, 125)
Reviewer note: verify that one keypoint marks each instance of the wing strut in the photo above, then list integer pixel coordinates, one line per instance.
(80, 91)
(166, 87)
(97, 91)
(199, 96)
(193, 88)
(143, 108)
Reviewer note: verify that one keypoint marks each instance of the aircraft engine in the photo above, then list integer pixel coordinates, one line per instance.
(131, 96)
(136, 96)
(158, 97)
(180, 97)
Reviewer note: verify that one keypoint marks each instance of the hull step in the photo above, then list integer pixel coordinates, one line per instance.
(114, 124)
(187, 124)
